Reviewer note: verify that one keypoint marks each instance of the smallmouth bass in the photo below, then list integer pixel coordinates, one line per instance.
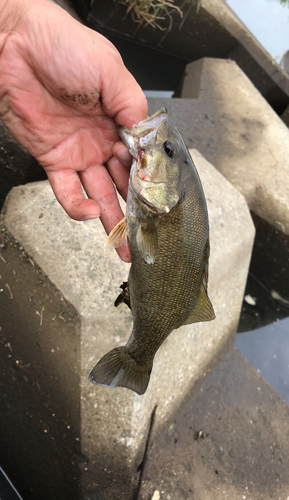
(167, 226)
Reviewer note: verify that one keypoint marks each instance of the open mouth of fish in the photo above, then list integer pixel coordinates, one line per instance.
(137, 140)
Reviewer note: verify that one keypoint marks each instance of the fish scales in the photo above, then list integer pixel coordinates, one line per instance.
(168, 230)
(169, 286)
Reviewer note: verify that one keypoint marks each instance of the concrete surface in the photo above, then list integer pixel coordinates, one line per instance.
(113, 423)
(284, 63)
(235, 129)
(229, 441)
(212, 31)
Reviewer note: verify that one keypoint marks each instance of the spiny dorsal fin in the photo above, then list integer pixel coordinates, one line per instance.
(147, 241)
(117, 235)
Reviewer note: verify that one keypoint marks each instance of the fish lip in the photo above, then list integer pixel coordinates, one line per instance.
(161, 111)
(145, 178)
(139, 195)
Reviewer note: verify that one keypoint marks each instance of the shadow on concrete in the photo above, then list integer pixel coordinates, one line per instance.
(225, 442)
(39, 416)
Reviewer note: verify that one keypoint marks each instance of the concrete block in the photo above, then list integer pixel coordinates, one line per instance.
(113, 423)
(234, 128)
(214, 31)
(227, 441)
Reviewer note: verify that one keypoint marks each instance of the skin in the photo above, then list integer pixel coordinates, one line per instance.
(63, 91)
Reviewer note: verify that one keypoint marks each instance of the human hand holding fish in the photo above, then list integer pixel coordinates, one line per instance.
(168, 229)
(63, 91)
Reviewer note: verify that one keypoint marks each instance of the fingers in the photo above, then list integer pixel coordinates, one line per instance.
(122, 97)
(120, 175)
(119, 167)
(98, 186)
(121, 152)
(68, 190)
(102, 202)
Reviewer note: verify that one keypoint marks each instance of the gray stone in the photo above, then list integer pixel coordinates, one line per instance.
(284, 63)
(234, 128)
(229, 441)
(113, 423)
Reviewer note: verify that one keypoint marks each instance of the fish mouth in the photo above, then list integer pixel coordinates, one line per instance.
(143, 133)
(145, 184)
(147, 178)
(142, 128)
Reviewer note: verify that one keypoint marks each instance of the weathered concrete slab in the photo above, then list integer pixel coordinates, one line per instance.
(229, 441)
(114, 423)
(235, 129)
(208, 29)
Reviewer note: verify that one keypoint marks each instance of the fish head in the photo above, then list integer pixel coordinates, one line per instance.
(157, 148)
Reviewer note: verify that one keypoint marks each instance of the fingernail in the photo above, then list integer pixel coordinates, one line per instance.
(124, 154)
(90, 217)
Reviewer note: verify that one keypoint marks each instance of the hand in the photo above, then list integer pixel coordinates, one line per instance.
(63, 90)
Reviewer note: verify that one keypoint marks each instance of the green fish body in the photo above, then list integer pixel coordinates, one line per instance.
(168, 230)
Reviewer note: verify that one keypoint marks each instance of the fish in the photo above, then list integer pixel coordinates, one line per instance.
(167, 227)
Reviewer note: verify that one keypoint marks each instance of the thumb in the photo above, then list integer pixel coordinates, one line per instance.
(122, 97)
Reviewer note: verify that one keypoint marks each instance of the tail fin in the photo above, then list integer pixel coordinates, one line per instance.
(119, 369)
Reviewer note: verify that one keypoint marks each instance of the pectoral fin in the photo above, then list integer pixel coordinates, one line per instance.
(117, 235)
(147, 241)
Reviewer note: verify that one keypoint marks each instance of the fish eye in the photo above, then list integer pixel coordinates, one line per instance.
(170, 148)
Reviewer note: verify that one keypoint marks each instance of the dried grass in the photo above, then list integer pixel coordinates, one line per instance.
(151, 11)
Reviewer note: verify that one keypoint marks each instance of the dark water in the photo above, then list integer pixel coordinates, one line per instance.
(264, 324)
(7, 489)
(267, 349)
(263, 336)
